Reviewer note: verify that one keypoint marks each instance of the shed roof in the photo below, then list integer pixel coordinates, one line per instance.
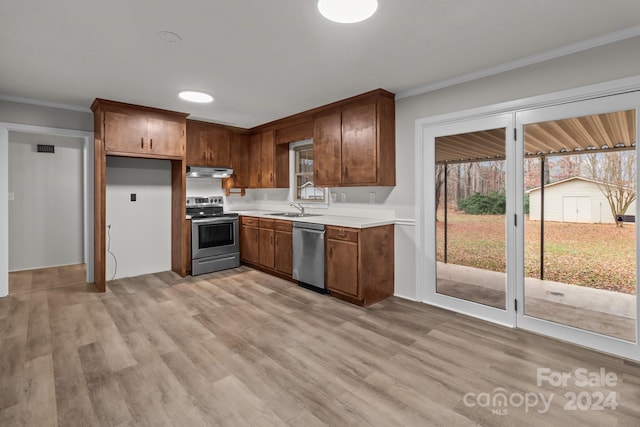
(562, 181)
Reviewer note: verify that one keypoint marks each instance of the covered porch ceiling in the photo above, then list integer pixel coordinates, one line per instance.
(595, 133)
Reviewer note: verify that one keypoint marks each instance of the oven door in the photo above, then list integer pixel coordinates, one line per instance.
(214, 236)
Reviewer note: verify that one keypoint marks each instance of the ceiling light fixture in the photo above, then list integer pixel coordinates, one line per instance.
(169, 36)
(194, 96)
(347, 11)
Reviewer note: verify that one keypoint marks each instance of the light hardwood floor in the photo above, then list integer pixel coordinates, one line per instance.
(46, 278)
(240, 347)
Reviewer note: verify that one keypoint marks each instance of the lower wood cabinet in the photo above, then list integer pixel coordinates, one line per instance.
(249, 240)
(266, 244)
(284, 247)
(360, 263)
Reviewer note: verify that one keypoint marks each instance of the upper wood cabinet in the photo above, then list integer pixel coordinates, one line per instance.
(208, 144)
(354, 143)
(268, 162)
(140, 131)
(327, 150)
(239, 162)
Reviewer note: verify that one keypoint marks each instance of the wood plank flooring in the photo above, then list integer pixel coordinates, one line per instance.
(46, 278)
(240, 347)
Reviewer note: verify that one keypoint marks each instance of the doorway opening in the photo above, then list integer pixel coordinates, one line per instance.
(50, 205)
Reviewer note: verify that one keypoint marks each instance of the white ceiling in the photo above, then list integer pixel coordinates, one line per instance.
(264, 60)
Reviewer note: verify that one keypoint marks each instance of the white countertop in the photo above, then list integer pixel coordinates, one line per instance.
(337, 220)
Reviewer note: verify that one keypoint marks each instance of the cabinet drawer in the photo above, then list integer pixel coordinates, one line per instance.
(250, 221)
(284, 226)
(267, 223)
(341, 233)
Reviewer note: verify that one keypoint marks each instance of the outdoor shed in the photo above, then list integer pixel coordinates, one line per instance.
(575, 199)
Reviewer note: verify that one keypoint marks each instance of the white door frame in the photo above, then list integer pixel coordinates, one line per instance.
(613, 103)
(425, 203)
(87, 164)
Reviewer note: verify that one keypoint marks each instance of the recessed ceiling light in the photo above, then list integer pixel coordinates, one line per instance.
(347, 11)
(194, 96)
(169, 36)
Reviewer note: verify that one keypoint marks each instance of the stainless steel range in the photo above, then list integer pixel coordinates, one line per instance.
(214, 236)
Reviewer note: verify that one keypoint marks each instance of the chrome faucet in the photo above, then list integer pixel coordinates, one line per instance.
(299, 207)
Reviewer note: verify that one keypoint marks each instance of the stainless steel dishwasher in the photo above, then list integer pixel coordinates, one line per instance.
(308, 255)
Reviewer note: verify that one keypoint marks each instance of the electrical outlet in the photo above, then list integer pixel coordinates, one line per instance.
(133, 197)
(333, 197)
(343, 197)
(372, 197)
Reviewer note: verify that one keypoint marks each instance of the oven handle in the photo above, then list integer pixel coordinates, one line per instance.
(213, 220)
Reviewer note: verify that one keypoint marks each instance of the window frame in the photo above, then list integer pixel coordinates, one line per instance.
(294, 149)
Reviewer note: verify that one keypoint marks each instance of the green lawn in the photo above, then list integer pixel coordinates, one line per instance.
(595, 255)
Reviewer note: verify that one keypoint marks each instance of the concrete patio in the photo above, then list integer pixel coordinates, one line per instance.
(597, 310)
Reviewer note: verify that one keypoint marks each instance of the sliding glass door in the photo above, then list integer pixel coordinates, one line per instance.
(528, 219)
(578, 277)
(470, 215)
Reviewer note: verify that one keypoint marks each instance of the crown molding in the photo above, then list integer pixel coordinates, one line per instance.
(580, 46)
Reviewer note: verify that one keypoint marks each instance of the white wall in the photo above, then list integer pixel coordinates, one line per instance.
(140, 234)
(45, 202)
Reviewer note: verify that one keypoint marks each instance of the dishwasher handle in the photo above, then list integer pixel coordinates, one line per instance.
(309, 230)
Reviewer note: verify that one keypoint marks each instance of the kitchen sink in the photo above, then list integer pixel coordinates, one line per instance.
(293, 214)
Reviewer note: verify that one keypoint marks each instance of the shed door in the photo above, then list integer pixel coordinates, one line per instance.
(576, 209)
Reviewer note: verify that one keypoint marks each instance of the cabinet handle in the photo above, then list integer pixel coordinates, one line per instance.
(271, 240)
(151, 143)
(141, 142)
(271, 177)
(330, 251)
(341, 233)
(277, 242)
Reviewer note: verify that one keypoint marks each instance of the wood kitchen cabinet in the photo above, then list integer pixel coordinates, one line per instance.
(249, 240)
(354, 143)
(360, 263)
(284, 247)
(268, 162)
(261, 164)
(239, 163)
(208, 144)
(267, 243)
(141, 131)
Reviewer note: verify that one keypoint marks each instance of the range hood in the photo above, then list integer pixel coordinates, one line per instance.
(208, 172)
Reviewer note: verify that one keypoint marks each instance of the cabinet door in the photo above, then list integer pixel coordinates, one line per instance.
(125, 132)
(249, 244)
(342, 267)
(359, 146)
(267, 153)
(166, 137)
(197, 154)
(254, 160)
(239, 162)
(267, 247)
(219, 146)
(283, 251)
(327, 142)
